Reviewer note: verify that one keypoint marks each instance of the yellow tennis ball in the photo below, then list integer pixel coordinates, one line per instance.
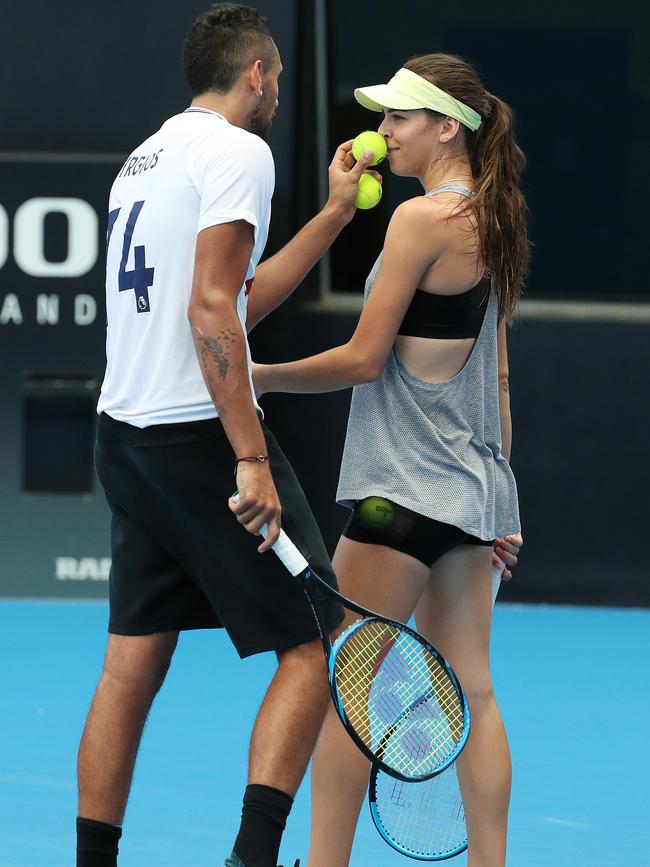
(370, 141)
(369, 193)
(376, 512)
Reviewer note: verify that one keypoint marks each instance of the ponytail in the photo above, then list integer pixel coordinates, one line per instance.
(497, 163)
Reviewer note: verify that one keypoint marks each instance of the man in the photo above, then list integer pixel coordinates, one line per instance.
(188, 221)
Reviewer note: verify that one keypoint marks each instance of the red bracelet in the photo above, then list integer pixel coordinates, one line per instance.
(251, 459)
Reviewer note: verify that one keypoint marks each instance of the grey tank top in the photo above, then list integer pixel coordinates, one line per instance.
(434, 447)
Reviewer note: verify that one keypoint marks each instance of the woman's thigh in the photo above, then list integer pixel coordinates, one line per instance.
(380, 578)
(454, 612)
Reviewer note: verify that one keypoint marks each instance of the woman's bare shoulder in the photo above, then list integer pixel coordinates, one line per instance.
(440, 211)
(437, 222)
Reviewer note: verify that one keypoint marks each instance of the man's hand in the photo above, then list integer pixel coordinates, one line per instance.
(505, 553)
(256, 502)
(344, 174)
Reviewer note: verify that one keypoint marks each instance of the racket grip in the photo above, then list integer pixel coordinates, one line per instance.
(496, 583)
(287, 552)
(290, 556)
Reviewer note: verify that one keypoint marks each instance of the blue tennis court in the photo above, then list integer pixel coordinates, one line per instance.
(572, 683)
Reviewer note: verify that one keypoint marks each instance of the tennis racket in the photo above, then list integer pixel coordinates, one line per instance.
(395, 694)
(426, 820)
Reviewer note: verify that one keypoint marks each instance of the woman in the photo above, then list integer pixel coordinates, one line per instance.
(429, 428)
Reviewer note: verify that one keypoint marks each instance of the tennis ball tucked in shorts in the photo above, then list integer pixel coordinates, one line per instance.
(376, 512)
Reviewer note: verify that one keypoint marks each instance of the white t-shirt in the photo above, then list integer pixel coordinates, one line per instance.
(196, 171)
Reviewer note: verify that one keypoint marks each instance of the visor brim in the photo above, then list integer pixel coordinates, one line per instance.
(377, 97)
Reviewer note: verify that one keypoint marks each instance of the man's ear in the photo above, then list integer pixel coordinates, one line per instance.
(254, 77)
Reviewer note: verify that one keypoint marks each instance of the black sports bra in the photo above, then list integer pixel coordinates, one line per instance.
(447, 316)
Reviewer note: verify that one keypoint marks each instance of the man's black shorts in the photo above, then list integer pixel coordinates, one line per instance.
(181, 560)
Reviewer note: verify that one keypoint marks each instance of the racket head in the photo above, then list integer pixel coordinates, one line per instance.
(425, 821)
(398, 698)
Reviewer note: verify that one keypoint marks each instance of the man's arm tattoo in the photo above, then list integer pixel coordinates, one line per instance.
(219, 348)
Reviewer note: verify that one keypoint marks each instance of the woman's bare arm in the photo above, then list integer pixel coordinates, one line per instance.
(414, 238)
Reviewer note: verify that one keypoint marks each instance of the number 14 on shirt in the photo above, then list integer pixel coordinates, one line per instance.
(139, 278)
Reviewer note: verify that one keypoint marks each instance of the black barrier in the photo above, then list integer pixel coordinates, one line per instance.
(55, 524)
(58, 410)
(580, 417)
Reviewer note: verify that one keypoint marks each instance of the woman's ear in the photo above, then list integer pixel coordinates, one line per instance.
(448, 129)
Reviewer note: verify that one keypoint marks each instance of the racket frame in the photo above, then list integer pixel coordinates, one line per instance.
(375, 757)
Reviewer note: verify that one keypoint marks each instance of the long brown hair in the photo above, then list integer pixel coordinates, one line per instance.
(497, 163)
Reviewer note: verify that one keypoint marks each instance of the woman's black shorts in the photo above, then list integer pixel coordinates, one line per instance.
(378, 521)
(181, 560)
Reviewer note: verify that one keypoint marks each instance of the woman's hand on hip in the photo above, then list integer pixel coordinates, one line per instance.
(505, 554)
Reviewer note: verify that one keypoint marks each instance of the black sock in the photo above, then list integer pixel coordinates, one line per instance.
(97, 843)
(262, 822)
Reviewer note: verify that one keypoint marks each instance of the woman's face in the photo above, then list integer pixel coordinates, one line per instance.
(412, 140)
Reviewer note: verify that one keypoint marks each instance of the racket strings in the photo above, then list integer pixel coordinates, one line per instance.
(385, 677)
(358, 655)
(353, 675)
(359, 658)
(426, 818)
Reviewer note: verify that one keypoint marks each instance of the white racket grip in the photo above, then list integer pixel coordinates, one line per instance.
(287, 552)
(496, 582)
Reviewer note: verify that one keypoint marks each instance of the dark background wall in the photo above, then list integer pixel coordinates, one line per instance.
(98, 78)
(95, 80)
(567, 70)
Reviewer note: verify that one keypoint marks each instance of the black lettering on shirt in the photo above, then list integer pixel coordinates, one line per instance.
(137, 164)
(155, 158)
